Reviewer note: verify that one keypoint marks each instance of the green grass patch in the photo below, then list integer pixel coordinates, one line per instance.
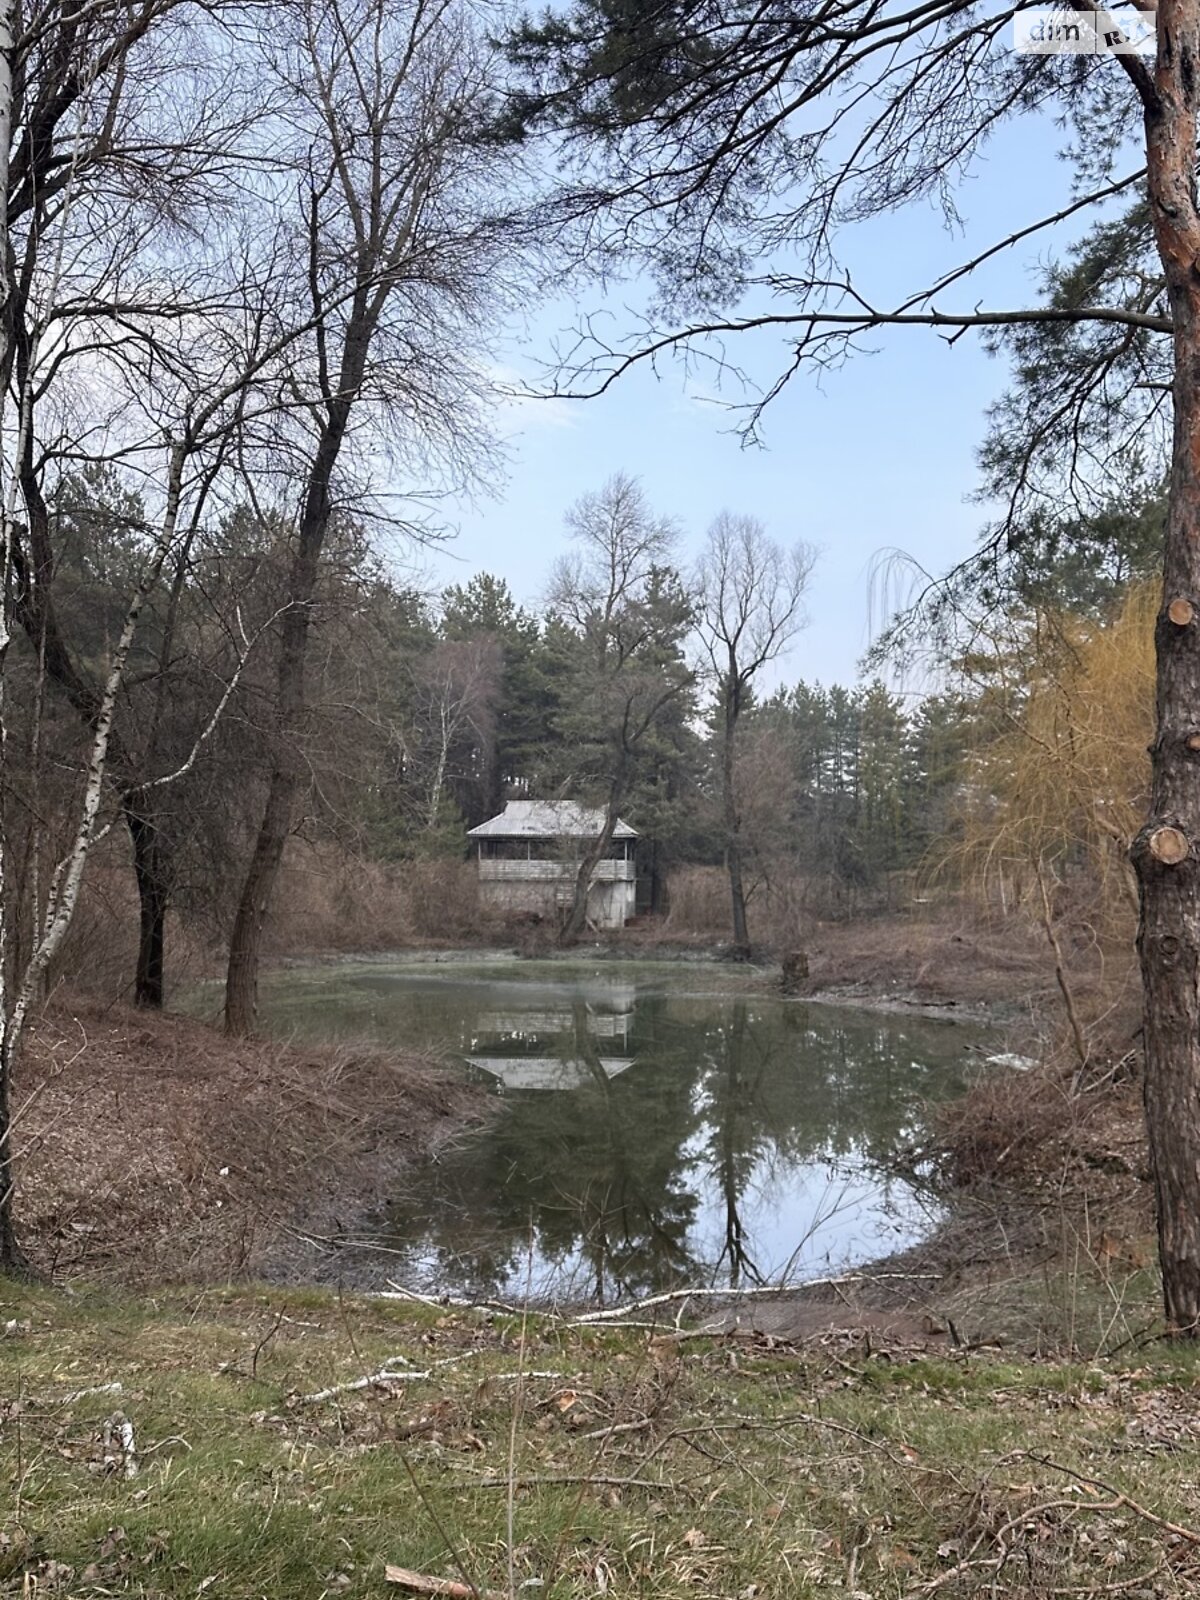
(635, 1463)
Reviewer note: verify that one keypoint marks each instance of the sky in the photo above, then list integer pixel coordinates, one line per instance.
(876, 456)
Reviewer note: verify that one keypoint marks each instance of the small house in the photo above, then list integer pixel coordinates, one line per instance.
(529, 858)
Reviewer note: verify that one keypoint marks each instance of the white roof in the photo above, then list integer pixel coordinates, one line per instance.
(548, 819)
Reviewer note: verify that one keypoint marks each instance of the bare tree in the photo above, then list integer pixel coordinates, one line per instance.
(120, 154)
(401, 248)
(629, 612)
(454, 697)
(206, 381)
(749, 604)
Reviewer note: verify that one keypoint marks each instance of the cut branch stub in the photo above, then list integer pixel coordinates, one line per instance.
(1193, 741)
(1181, 611)
(1169, 845)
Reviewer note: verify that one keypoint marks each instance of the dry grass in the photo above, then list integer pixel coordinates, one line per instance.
(328, 901)
(153, 1147)
(779, 912)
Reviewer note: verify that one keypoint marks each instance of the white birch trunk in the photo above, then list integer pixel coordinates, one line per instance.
(68, 876)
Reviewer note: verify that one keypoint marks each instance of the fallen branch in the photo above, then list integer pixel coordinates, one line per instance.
(449, 1588)
(86, 1394)
(373, 1380)
(974, 1562)
(1190, 1535)
(754, 1291)
(386, 1376)
(789, 1419)
(442, 1302)
(558, 1479)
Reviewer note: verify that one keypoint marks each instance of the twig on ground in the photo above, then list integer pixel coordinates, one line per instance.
(70, 1398)
(264, 1342)
(558, 1479)
(448, 1588)
(753, 1291)
(619, 1427)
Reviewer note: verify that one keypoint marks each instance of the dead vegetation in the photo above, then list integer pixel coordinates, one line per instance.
(329, 902)
(152, 1147)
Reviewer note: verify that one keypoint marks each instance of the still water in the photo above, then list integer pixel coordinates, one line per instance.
(649, 1133)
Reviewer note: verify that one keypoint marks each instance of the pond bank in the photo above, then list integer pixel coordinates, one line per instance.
(943, 961)
(157, 1149)
(152, 1148)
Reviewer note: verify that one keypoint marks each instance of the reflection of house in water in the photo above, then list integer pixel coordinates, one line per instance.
(529, 859)
(555, 1048)
(546, 1072)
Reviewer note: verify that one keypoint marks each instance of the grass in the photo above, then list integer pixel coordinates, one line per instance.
(647, 1465)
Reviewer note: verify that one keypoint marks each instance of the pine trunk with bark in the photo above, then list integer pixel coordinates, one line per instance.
(1166, 852)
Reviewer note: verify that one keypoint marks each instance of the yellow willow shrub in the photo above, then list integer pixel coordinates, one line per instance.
(1062, 781)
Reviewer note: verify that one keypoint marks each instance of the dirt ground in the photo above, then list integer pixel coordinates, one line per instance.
(153, 1148)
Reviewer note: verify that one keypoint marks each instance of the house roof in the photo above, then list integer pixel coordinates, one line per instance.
(548, 819)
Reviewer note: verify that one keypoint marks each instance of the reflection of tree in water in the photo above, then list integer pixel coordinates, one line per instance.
(735, 1063)
(623, 1188)
(606, 1179)
(782, 1093)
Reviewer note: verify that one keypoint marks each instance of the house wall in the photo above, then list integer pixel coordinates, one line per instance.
(610, 904)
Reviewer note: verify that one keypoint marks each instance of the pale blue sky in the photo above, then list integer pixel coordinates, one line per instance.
(880, 454)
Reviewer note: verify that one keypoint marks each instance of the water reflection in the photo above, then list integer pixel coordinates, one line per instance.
(648, 1138)
(557, 1048)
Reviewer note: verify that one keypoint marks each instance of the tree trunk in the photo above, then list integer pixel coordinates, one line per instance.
(245, 944)
(733, 826)
(151, 871)
(13, 1262)
(1166, 853)
(69, 877)
(592, 856)
(660, 889)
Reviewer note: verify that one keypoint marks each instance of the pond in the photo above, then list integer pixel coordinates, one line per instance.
(650, 1132)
